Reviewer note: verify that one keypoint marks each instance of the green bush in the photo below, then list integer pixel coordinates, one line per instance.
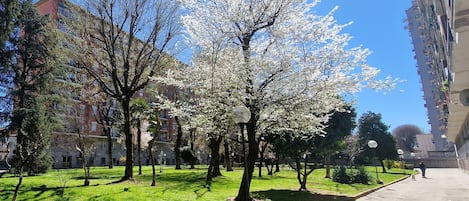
(340, 175)
(359, 175)
(409, 166)
(389, 164)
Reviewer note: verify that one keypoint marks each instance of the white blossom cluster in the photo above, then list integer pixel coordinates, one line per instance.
(290, 66)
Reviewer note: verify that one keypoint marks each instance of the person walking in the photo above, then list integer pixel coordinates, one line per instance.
(422, 169)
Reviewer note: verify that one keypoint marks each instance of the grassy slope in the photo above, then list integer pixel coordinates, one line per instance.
(180, 185)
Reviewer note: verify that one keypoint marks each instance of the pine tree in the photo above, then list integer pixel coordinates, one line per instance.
(8, 13)
(371, 127)
(33, 65)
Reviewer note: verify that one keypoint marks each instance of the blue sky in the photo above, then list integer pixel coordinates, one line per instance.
(379, 26)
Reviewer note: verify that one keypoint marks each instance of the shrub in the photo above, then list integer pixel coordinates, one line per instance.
(389, 164)
(188, 156)
(340, 175)
(409, 166)
(359, 175)
(122, 159)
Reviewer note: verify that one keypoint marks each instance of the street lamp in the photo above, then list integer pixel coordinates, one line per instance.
(401, 157)
(200, 159)
(162, 160)
(232, 158)
(372, 145)
(412, 155)
(242, 116)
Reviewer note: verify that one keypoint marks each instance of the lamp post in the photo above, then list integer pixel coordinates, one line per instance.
(200, 159)
(372, 145)
(162, 160)
(232, 158)
(412, 155)
(401, 157)
(242, 116)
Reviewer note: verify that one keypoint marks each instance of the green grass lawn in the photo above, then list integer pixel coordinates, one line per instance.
(181, 185)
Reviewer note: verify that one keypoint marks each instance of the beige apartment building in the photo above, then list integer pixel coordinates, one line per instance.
(66, 15)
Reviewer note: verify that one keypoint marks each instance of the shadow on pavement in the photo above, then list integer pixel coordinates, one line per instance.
(280, 195)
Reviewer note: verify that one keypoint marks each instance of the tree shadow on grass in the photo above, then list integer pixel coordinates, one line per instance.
(269, 177)
(182, 181)
(279, 195)
(56, 191)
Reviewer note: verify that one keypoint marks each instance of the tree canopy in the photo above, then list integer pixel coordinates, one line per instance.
(30, 59)
(405, 136)
(278, 59)
(371, 127)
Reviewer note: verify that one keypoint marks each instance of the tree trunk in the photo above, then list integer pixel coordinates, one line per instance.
(327, 160)
(177, 149)
(129, 162)
(382, 165)
(228, 163)
(277, 165)
(18, 185)
(305, 177)
(87, 176)
(109, 148)
(298, 173)
(214, 167)
(139, 147)
(269, 165)
(153, 170)
(243, 192)
(83, 162)
(20, 163)
(261, 159)
(192, 138)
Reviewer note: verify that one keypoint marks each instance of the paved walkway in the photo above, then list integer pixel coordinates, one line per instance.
(441, 184)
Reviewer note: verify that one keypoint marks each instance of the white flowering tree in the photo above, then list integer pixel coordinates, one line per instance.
(280, 59)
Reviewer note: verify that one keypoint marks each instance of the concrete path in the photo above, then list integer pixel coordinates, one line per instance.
(441, 184)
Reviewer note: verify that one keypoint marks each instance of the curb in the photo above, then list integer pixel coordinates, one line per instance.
(379, 187)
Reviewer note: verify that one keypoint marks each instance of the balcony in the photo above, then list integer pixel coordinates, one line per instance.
(458, 113)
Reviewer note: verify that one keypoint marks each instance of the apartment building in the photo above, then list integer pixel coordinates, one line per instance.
(80, 114)
(440, 33)
(431, 33)
(458, 121)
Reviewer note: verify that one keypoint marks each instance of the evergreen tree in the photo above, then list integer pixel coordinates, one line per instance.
(33, 66)
(339, 126)
(8, 13)
(372, 128)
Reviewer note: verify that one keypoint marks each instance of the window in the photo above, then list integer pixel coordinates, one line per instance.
(95, 110)
(66, 161)
(82, 109)
(103, 161)
(91, 161)
(93, 126)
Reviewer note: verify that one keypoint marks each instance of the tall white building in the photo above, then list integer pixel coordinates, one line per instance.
(440, 33)
(431, 34)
